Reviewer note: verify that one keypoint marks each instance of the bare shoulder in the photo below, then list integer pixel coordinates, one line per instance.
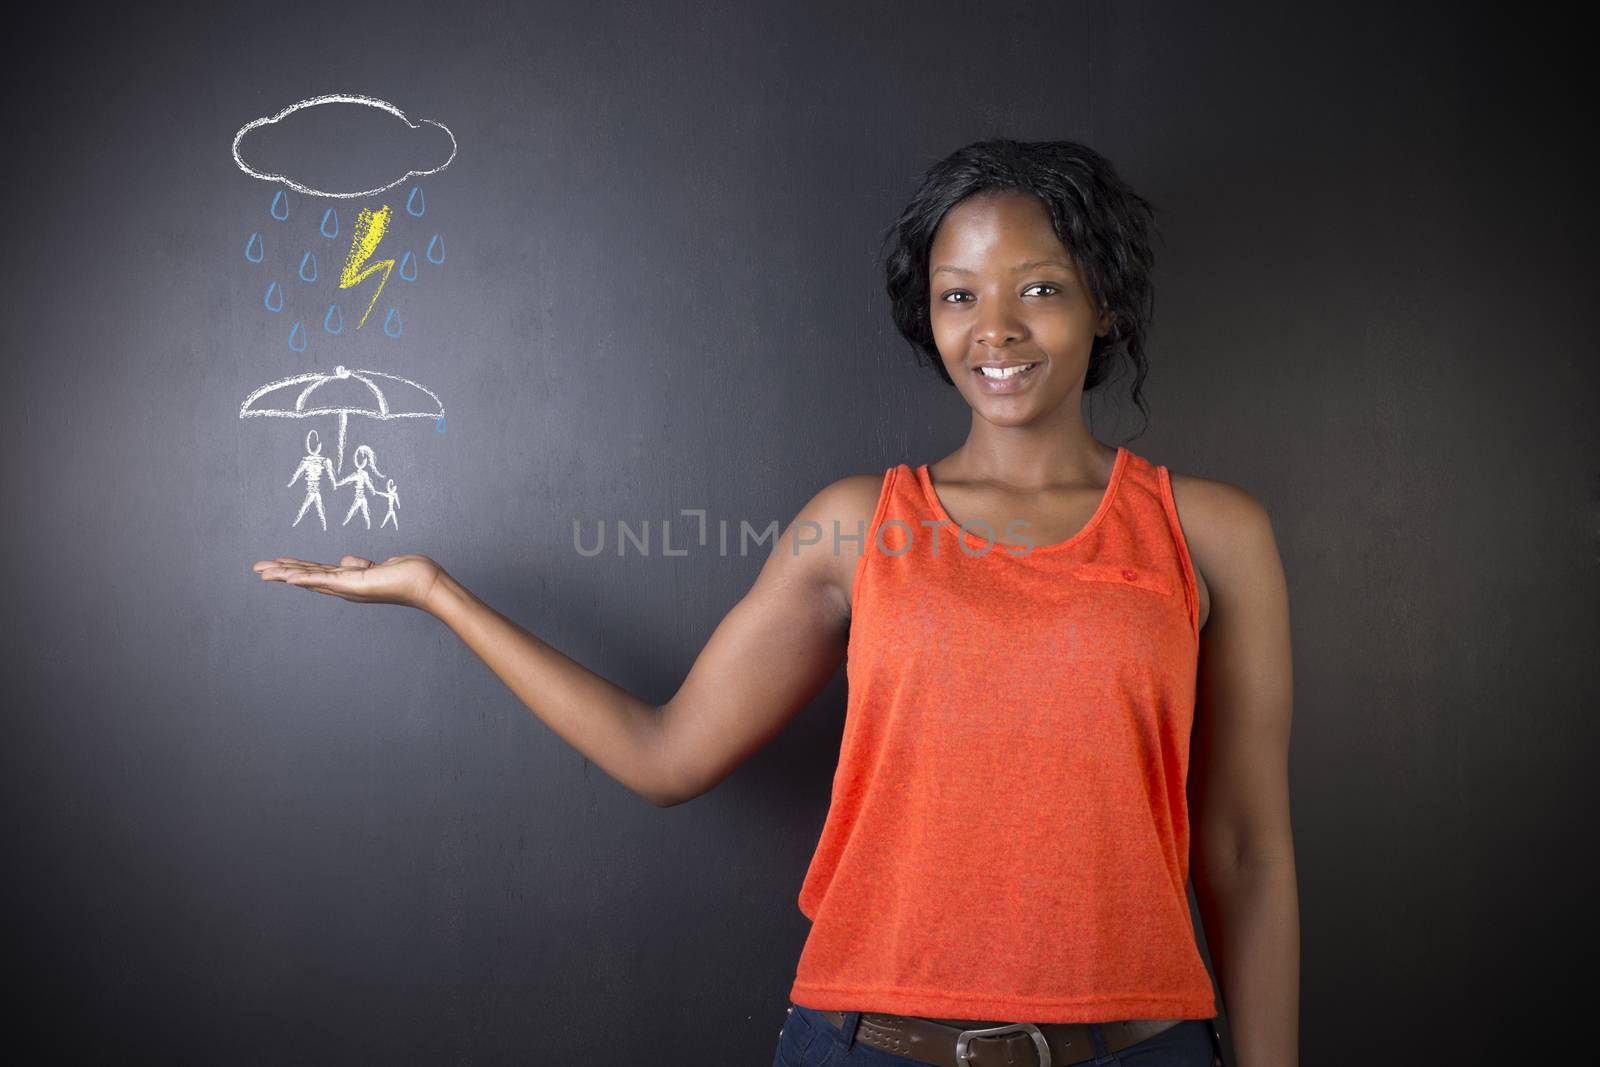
(1217, 509)
(847, 502)
(851, 495)
(1229, 533)
(827, 536)
(843, 510)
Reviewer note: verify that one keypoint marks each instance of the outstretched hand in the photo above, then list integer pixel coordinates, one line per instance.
(406, 580)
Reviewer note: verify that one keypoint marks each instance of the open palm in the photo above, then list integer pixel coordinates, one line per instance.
(397, 580)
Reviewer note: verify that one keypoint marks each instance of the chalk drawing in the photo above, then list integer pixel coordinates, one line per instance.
(362, 481)
(342, 393)
(392, 495)
(387, 396)
(337, 98)
(365, 236)
(313, 466)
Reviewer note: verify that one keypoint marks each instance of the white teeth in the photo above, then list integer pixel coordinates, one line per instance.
(1007, 372)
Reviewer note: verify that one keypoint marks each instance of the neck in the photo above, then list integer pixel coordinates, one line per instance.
(1031, 456)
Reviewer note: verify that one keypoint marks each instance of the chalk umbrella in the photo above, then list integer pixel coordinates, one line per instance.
(342, 393)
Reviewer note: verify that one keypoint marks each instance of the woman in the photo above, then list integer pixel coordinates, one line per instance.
(364, 484)
(1035, 720)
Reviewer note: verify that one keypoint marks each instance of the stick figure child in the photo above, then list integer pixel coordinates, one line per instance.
(363, 484)
(313, 466)
(392, 495)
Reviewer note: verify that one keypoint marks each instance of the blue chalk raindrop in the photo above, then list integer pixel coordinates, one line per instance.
(333, 321)
(408, 267)
(330, 224)
(436, 249)
(274, 298)
(308, 260)
(416, 203)
(280, 206)
(297, 337)
(253, 250)
(391, 323)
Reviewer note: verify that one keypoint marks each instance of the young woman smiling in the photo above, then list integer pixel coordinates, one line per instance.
(1048, 732)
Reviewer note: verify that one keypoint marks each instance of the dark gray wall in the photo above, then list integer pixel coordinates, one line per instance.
(246, 824)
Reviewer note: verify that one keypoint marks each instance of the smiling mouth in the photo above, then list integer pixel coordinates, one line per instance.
(1002, 374)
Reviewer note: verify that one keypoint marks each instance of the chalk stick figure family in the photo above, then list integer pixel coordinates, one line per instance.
(315, 464)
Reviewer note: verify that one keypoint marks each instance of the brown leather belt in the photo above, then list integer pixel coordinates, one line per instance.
(976, 1043)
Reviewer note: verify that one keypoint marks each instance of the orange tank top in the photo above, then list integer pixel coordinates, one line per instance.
(1007, 836)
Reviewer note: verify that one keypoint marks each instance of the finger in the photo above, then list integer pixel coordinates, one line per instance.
(261, 566)
(279, 571)
(327, 592)
(284, 573)
(287, 561)
(335, 583)
(355, 561)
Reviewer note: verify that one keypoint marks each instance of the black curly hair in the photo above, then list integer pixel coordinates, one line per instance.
(1103, 223)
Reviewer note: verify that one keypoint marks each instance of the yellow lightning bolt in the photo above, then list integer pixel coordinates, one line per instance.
(367, 232)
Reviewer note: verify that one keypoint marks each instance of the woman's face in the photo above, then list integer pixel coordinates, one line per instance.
(1003, 290)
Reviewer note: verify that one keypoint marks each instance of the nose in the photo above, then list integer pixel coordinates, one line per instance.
(997, 325)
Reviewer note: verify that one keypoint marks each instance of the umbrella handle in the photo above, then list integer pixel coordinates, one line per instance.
(344, 417)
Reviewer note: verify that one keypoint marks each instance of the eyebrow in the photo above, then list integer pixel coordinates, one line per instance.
(1030, 265)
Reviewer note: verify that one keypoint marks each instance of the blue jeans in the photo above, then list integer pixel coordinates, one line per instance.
(808, 1039)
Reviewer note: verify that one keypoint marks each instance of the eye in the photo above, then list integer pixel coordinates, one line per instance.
(1052, 290)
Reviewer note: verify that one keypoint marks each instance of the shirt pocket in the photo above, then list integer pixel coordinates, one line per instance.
(1136, 577)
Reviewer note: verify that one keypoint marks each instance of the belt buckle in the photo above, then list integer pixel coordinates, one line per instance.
(1031, 1030)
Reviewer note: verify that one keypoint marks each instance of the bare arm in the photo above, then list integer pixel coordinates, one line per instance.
(617, 730)
(766, 660)
(1242, 845)
(776, 649)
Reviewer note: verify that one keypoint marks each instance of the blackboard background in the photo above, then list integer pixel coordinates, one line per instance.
(245, 824)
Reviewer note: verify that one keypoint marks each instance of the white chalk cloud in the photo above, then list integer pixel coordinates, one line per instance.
(383, 115)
